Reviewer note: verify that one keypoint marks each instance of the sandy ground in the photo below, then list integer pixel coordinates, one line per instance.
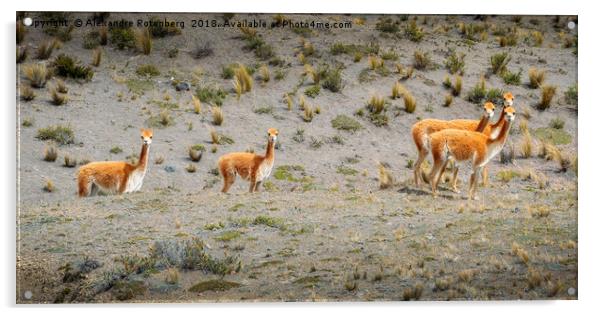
(337, 237)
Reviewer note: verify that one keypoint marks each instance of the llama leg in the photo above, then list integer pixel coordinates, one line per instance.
(82, 185)
(485, 177)
(455, 179)
(434, 174)
(441, 172)
(252, 185)
(417, 165)
(228, 181)
(257, 185)
(474, 179)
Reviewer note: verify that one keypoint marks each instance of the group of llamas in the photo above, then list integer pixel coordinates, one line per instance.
(475, 141)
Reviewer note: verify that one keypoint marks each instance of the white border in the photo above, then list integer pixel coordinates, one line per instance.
(589, 81)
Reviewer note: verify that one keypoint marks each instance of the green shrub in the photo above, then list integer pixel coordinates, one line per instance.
(62, 135)
(413, 32)
(386, 25)
(312, 91)
(512, 78)
(346, 123)
(67, 66)
(455, 63)
(123, 38)
(331, 79)
(213, 95)
(571, 95)
(147, 70)
(499, 62)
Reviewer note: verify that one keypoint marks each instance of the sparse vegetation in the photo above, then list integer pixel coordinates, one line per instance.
(422, 60)
(217, 115)
(60, 134)
(547, 94)
(499, 62)
(147, 70)
(571, 95)
(37, 74)
(46, 48)
(410, 102)
(455, 63)
(67, 66)
(27, 93)
(144, 41)
(202, 51)
(50, 153)
(96, 57)
(536, 78)
(345, 123)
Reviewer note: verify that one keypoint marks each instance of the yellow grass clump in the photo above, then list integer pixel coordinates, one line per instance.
(385, 179)
(218, 116)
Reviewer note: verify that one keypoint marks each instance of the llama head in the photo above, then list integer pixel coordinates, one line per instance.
(508, 99)
(146, 135)
(509, 114)
(272, 135)
(489, 109)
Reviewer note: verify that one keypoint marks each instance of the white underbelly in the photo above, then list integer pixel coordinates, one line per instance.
(264, 171)
(134, 182)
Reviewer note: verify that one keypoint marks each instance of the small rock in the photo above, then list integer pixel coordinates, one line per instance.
(183, 86)
(170, 168)
(516, 210)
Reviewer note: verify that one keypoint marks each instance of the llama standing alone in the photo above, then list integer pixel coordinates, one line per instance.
(115, 176)
(422, 129)
(251, 167)
(471, 146)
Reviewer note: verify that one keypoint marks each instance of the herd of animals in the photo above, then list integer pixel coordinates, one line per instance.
(474, 141)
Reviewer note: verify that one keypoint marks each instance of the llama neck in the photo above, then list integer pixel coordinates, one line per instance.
(483, 123)
(269, 152)
(500, 121)
(143, 157)
(501, 137)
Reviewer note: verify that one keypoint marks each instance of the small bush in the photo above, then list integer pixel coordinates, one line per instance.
(123, 38)
(308, 114)
(61, 86)
(264, 73)
(69, 162)
(49, 186)
(499, 62)
(448, 100)
(37, 74)
(457, 87)
(50, 154)
(526, 147)
(96, 57)
(196, 152)
(116, 150)
(512, 78)
(191, 168)
(478, 92)
(376, 104)
(386, 25)
(57, 97)
(217, 115)
(410, 102)
(557, 123)
(21, 54)
(413, 32)
(45, 49)
(346, 123)
(144, 41)
(385, 179)
(332, 80)
(422, 60)
(213, 95)
(147, 70)
(571, 95)
(60, 134)
(27, 93)
(455, 63)
(547, 94)
(202, 51)
(67, 66)
(375, 62)
(397, 90)
(536, 78)
(537, 38)
(312, 91)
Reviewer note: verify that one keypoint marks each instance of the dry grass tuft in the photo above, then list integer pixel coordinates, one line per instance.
(466, 275)
(21, 54)
(196, 103)
(264, 73)
(69, 162)
(397, 90)
(27, 93)
(385, 179)
(409, 102)
(375, 62)
(214, 137)
(518, 251)
(217, 115)
(534, 278)
(61, 86)
(547, 94)
(413, 293)
(421, 60)
(448, 100)
(536, 78)
(289, 102)
(37, 74)
(45, 49)
(50, 153)
(49, 186)
(526, 145)
(539, 211)
(308, 113)
(243, 79)
(96, 57)
(195, 153)
(457, 86)
(57, 97)
(302, 102)
(172, 276)
(376, 104)
(191, 168)
(537, 38)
